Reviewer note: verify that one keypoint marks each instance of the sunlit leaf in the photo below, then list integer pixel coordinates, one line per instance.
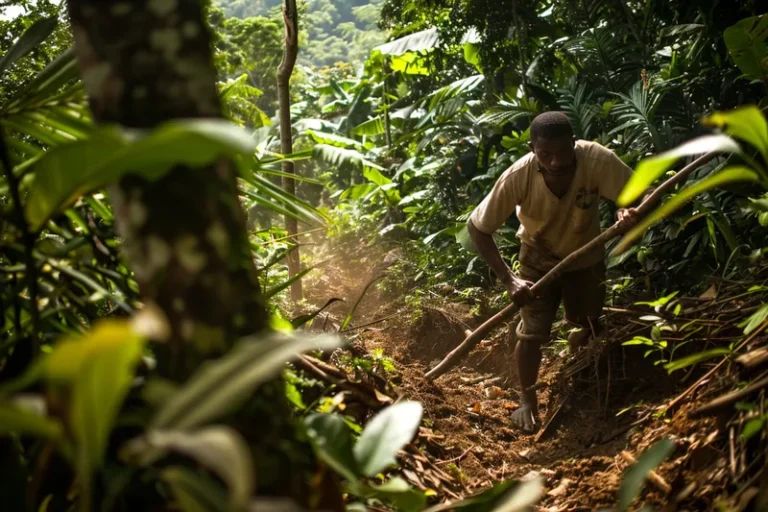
(337, 156)
(99, 367)
(334, 140)
(635, 477)
(649, 169)
(332, 440)
(374, 126)
(385, 435)
(416, 42)
(374, 176)
(756, 319)
(746, 123)
(728, 175)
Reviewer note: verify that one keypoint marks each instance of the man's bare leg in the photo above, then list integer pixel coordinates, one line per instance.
(528, 359)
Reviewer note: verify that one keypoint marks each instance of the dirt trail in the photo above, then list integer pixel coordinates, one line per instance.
(466, 433)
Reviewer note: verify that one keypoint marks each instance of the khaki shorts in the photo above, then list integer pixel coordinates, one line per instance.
(582, 292)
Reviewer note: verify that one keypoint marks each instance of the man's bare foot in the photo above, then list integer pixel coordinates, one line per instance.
(525, 418)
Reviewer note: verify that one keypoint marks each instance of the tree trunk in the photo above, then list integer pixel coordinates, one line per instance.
(284, 72)
(142, 63)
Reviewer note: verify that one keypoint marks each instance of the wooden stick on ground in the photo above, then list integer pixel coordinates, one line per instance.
(653, 476)
(477, 335)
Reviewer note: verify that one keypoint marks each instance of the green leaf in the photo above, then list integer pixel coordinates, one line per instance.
(66, 172)
(649, 169)
(221, 449)
(374, 176)
(334, 140)
(332, 440)
(753, 427)
(14, 419)
(193, 493)
(694, 359)
(33, 36)
(337, 156)
(285, 284)
(399, 493)
(222, 385)
(756, 319)
(635, 477)
(358, 191)
(523, 497)
(472, 55)
(746, 123)
(728, 175)
(746, 42)
(100, 368)
(410, 63)
(416, 42)
(370, 127)
(485, 501)
(385, 435)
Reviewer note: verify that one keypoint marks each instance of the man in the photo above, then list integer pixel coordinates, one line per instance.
(555, 191)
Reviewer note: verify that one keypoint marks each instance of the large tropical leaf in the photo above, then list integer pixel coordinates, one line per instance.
(746, 42)
(416, 42)
(65, 173)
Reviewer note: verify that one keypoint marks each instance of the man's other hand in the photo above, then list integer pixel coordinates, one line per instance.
(627, 217)
(520, 291)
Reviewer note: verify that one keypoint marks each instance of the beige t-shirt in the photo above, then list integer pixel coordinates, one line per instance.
(552, 226)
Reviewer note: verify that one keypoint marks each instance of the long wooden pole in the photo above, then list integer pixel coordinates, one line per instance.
(617, 229)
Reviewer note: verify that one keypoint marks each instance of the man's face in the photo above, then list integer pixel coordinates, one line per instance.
(555, 155)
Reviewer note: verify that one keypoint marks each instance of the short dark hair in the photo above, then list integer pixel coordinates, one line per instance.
(551, 125)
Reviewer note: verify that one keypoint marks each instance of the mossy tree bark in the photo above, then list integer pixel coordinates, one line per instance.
(144, 62)
(284, 72)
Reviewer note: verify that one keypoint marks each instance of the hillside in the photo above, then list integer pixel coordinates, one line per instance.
(331, 31)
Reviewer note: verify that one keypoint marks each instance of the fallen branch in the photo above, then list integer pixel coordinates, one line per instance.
(617, 229)
(726, 400)
(367, 398)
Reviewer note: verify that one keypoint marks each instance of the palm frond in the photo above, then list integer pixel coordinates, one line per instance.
(576, 102)
(636, 115)
(607, 54)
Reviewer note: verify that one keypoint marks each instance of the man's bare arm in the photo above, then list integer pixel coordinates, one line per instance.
(519, 290)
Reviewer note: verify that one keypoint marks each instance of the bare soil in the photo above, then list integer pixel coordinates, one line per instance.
(466, 436)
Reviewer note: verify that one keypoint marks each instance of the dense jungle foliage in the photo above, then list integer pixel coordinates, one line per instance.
(118, 393)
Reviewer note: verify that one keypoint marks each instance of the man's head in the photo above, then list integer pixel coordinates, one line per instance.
(553, 142)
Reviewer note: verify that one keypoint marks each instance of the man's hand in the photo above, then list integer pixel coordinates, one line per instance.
(627, 217)
(519, 290)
